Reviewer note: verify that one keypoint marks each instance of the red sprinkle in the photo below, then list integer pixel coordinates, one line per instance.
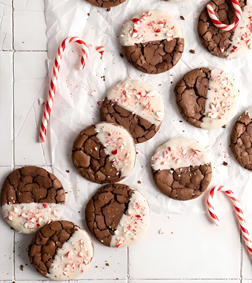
(67, 254)
(38, 225)
(135, 20)
(45, 205)
(114, 152)
(158, 30)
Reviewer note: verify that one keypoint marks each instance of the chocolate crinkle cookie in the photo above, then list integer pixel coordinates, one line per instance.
(181, 169)
(226, 44)
(104, 153)
(30, 198)
(207, 98)
(117, 215)
(152, 42)
(136, 106)
(106, 3)
(241, 139)
(61, 251)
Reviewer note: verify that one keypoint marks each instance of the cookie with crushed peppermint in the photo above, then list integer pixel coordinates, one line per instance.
(61, 251)
(135, 105)
(226, 44)
(104, 153)
(152, 42)
(207, 98)
(106, 3)
(181, 169)
(30, 198)
(117, 215)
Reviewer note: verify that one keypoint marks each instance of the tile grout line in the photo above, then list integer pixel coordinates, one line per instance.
(241, 255)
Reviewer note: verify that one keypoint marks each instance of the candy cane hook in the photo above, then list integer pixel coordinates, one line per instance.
(55, 75)
(219, 24)
(239, 213)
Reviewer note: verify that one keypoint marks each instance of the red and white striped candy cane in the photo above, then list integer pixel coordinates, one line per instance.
(55, 75)
(239, 213)
(219, 24)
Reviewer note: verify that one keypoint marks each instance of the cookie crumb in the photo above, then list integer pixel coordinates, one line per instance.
(88, 14)
(225, 163)
(121, 55)
(139, 182)
(192, 51)
(107, 264)
(108, 9)
(67, 171)
(96, 266)
(21, 267)
(182, 18)
(180, 121)
(224, 127)
(160, 231)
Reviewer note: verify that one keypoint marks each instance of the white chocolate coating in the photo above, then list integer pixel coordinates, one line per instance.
(178, 153)
(242, 39)
(149, 26)
(249, 112)
(119, 145)
(222, 100)
(28, 218)
(73, 258)
(134, 224)
(140, 98)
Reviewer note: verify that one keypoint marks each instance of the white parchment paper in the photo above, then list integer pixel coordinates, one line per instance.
(75, 106)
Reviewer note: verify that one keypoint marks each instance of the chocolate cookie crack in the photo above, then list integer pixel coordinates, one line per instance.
(217, 41)
(90, 159)
(104, 211)
(106, 3)
(183, 183)
(191, 94)
(155, 57)
(140, 129)
(47, 242)
(32, 184)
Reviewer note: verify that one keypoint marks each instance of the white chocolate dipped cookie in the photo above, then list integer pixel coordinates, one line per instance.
(117, 215)
(30, 198)
(152, 42)
(104, 153)
(207, 98)
(135, 105)
(181, 168)
(61, 251)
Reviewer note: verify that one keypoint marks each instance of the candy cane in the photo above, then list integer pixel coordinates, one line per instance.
(52, 89)
(219, 24)
(239, 213)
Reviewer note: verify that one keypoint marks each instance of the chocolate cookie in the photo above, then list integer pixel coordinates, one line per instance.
(117, 215)
(104, 153)
(181, 169)
(241, 139)
(106, 3)
(61, 250)
(226, 44)
(152, 42)
(207, 98)
(136, 106)
(30, 198)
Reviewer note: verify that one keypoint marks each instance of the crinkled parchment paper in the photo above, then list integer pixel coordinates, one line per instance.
(75, 106)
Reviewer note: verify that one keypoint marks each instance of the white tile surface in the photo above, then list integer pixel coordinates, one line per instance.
(6, 239)
(191, 247)
(6, 108)
(5, 25)
(185, 281)
(30, 84)
(29, 17)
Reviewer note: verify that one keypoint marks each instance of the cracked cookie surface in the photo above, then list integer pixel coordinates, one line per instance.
(181, 169)
(117, 215)
(152, 42)
(136, 106)
(104, 153)
(207, 98)
(217, 41)
(241, 139)
(60, 250)
(30, 198)
(106, 3)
